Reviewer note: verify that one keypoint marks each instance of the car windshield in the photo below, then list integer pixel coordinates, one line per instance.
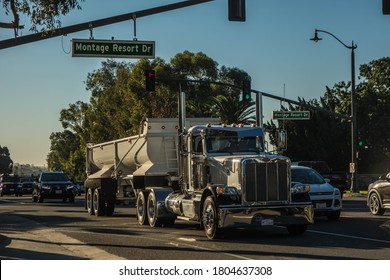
(54, 177)
(306, 176)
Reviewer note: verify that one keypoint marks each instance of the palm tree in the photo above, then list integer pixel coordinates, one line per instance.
(232, 110)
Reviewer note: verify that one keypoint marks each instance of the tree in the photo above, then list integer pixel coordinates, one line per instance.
(5, 161)
(44, 15)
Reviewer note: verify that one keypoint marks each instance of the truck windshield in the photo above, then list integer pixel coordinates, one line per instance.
(234, 143)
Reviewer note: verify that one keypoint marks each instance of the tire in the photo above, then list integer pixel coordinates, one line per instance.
(334, 216)
(110, 206)
(88, 199)
(154, 221)
(375, 205)
(296, 229)
(98, 203)
(71, 198)
(210, 219)
(141, 206)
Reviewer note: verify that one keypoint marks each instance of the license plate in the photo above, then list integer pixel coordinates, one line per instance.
(267, 222)
(321, 205)
(58, 191)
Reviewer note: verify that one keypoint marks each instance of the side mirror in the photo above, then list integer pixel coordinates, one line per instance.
(282, 140)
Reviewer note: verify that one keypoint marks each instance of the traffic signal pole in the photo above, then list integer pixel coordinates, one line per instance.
(13, 42)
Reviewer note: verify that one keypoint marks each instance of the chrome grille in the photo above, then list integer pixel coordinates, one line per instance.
(266, 181)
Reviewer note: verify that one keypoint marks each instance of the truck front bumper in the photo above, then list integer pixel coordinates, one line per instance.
(230, 216)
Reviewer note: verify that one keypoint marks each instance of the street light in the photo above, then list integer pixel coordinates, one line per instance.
(353, 164)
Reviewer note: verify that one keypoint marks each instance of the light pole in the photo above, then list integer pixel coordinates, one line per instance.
(353, 164)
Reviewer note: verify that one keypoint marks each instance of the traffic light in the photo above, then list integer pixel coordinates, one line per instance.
(246, 91)
(237, 10)
(386, 7)
(361, 140)
(150, 80)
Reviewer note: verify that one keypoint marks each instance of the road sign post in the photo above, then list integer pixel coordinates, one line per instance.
(113, 48)
(291, 115)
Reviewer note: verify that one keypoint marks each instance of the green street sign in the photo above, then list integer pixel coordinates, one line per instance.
(113, 48)
(291, 115)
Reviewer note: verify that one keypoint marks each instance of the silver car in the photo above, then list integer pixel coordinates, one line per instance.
(326, 199)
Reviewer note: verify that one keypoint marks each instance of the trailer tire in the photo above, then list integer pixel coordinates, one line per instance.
(154, 221)
(88, 199)
(210, 218)
(141, 208)
(98, 203)
(110, 207)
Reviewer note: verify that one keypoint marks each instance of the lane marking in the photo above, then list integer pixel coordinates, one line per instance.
(350, 236)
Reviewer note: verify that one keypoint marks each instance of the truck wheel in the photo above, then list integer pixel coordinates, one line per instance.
(110, 206)
(141, 208)
(296, 229)
(154, 221)
(210, 219)
(98, 203)
(89, 202)
(374, 204)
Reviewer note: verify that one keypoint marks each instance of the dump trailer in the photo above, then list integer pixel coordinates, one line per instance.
(197, 170)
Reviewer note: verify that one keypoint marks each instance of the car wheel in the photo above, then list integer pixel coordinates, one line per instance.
(210, 219)
(71, 198)
(374, 203)
(296, 229)
(334, 216)
(141, 208)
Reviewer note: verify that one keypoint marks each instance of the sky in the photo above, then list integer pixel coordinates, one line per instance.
(38, 80)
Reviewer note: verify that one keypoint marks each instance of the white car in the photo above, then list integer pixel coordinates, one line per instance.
(326, 199)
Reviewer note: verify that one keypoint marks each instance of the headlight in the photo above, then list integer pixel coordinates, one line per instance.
(224, 190)
(336, 191)
(69, 187)
(300, 188)
(46, 187)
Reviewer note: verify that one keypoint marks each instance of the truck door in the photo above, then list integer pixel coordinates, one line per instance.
(197, 164)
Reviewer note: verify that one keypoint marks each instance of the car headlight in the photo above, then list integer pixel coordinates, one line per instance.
(336, 191)
(46, 187)
(300, 188)
(225, 190)
(70, 187)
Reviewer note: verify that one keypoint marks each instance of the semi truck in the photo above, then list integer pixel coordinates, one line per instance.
(200, 170)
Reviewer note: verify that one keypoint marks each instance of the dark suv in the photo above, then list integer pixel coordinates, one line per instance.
(53, 185)
(9, 185)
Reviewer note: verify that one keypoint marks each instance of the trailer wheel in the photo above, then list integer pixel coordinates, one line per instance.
(110, 207)
(98, 203)
(141, 208)
(154, 221)
(89, 201)
(210, 219)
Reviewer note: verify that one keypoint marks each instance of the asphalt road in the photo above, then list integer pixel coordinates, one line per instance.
(63, 231)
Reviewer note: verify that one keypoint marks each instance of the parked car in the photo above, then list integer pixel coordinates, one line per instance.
(53, 185)
(26, 184)
(9, 185)
(378, 197)
(326, 199)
